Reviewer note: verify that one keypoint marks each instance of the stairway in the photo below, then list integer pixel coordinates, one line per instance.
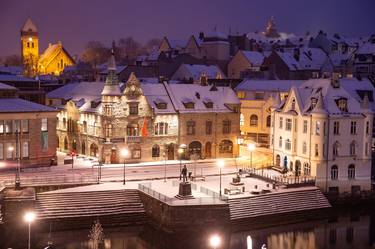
(80, 209)
(290, 201)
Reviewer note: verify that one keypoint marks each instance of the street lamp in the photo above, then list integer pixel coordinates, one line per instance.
(220, 164)
(165, 167)
(180, 151)
(215, 241)
(251, 148)
(124, 155)
(29, 217)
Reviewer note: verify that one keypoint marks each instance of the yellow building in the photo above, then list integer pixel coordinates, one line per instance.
(52, 61)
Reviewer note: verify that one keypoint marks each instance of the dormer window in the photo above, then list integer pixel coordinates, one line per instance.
(189, 105)
(161, 105)
(342, 104)
(313, 102)
(209, 104)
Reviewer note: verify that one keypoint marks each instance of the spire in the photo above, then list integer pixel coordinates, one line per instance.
(29, 27)
(319, 107)
(111, 86)
(365, 102)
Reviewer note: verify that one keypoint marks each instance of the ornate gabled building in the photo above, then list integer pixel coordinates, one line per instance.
(152, 120)
(324, 129)
(52, 61)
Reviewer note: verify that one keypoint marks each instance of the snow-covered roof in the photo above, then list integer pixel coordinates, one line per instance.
(21, 105)
(15, 70)
(6, 87)
(156, 94)
(268, 85)
(322, 88)
(15, 78)
(51, 52)
(367, 48)
(177, 44)
(339, 59)
(119, 69)
(183, 93)
(255, 58)
(195, 71)
(312, 58)
(289, 60)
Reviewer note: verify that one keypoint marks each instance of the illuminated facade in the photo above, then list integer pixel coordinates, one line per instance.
(52, 61)
(99, 119)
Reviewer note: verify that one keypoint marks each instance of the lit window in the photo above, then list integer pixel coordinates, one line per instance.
(288, 124)
(190, 125)
(25, 126)
(253, 120)
(281, 123)
(280, 142)
(287, 144)
(316, 150)
(226, 126)
(1, 127)
(44, 126)
(25, 149)
(304, 126)
(242, 119)
(16, 126)
(161, 128)
(317, 128)
(1, 151)
(304, 148)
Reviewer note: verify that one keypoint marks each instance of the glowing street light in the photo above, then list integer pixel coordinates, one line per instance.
(220, 164)
(251, 148)
(215, 241)
(124, 155)
(29, 217)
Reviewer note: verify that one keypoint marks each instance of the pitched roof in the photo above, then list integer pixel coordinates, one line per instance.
(6, 87)
(255, 58)
(51, 52)
(267, 85)
(289, 60)
(156, 93)
(29, 26)
(196, 71)
(198, 94)
(21, 105)
(312, 58)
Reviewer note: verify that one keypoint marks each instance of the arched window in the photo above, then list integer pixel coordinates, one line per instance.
(242, 119)
(306, 169)
(334, 172)
(280, 142)
(253, 120)
(155, 151)
(268, 121)
(293, 104)
(226, 146)
(351, 171)
(352, 148)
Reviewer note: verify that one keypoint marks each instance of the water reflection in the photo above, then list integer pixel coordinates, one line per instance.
(344, 231)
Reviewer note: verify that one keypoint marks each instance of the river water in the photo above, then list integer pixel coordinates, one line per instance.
(352, 228)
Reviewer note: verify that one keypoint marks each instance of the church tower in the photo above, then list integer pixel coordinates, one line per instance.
(30, 48)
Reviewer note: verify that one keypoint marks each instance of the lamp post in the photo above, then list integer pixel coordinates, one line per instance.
(29, 217)
(239, 142)
(251, 148)
(220, 164)
(124, 154)
(215, 241)
(165, 167)
(180, 151)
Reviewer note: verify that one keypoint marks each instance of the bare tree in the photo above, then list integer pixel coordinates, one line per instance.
(95, 53)
(96, 235)
(152, 44)
(128, 47)
(13, 60)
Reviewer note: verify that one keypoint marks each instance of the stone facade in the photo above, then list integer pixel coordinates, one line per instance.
(321, 130)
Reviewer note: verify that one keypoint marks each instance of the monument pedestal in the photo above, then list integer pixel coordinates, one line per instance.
(184, 191)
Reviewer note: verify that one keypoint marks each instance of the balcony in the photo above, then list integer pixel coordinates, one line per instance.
(133, 139)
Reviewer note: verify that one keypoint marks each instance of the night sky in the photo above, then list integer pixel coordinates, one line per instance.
(75, 22)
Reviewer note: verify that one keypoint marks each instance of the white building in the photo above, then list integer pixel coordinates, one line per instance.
(324, 129)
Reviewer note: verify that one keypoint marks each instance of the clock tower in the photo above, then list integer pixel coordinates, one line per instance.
(30, 48)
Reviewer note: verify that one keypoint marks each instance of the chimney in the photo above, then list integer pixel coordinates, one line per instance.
(335, 80)
(296, 54)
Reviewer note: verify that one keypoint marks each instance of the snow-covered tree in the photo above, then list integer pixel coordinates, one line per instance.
(96, 235)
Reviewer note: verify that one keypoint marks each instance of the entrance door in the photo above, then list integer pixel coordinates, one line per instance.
(195, 148)
(171, 151)
(207, 150)
(114, 156)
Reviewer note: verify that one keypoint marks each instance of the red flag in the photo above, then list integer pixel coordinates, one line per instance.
(144, 130)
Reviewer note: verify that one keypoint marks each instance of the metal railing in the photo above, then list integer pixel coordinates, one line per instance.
(54, 180)
(146, 188)
(284, 180)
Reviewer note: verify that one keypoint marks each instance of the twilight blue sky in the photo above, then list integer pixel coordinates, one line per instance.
(75, 22)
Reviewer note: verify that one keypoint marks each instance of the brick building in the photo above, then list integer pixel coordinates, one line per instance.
(27, 130)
